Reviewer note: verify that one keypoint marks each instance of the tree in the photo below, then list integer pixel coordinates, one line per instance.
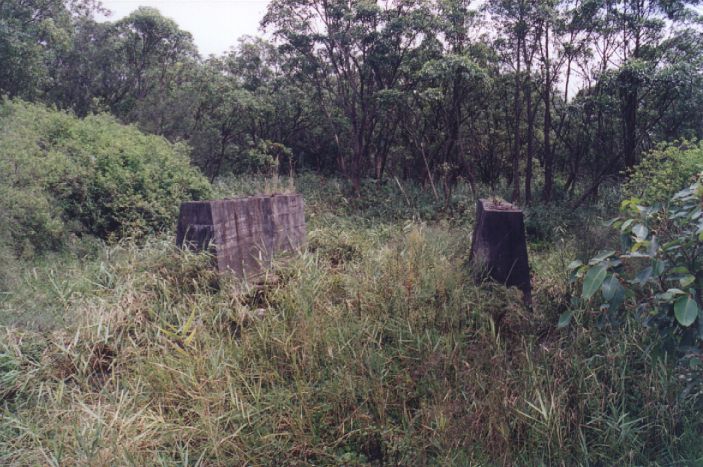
(351, 53)
(515, 20)
(130, 67)
(32, 34)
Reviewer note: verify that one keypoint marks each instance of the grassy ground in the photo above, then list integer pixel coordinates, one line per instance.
(373, 346)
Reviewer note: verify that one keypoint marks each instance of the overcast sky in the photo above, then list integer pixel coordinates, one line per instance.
(215, 24)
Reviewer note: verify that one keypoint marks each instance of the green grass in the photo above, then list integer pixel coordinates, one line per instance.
(374, 346)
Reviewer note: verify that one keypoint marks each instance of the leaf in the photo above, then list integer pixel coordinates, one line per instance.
(618, 298)
(593, 280)
(574, 264)
(612, 221)
(671, 245)
(687, 280)
(643, 276)
(565, 319)
(678, 215)
(189, 322)
(685, 310)
(637, 246)
(653, 246)
(683, 193)
(659, 267)
(602, 256)
(669, 295)
(613, 292)
(625, 242)
(640, 232)
(629, 204)
(626, 224)
(609, 286)
(188, 340)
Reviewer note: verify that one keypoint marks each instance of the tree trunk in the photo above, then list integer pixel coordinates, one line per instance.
(630, 124)
(467, 168)
(355, 163)
(548, 156)
(530, 128)
(516, 149)
(220, 159)
(630, 103)
(356, 174)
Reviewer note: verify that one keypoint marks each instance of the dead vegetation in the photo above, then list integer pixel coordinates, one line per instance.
(391, 355)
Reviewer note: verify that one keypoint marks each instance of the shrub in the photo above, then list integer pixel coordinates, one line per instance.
(664, 171)
(65, 175)
(659, 269)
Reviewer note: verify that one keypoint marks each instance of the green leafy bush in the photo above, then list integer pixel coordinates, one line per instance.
(658, 271)
(63, 175)
(664, 170)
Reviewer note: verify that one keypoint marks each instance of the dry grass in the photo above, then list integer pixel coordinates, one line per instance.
(374, 346)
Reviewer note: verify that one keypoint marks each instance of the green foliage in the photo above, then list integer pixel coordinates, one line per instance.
(373, 347)
(593, 281)
(663, 171)
(65, 175)
(32, 33)
(658, 270)
(264, 157)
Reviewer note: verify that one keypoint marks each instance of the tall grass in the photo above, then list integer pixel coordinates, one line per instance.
(374, 346)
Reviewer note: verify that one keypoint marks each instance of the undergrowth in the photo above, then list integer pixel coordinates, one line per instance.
(374, 346)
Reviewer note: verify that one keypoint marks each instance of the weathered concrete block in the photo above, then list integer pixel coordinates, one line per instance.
(244, 234)
(499, 246)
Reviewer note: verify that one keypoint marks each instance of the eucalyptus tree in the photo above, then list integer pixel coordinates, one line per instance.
(222, 110)
(445, 92)
(33, 36)
(511, 17)
(570, 30)
(353, 54)
(677, 99)
(642, 29)
(286, 114)
(151, 50)
(449, 93)
(640, 64)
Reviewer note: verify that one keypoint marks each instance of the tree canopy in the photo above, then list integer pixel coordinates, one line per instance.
(562, 94)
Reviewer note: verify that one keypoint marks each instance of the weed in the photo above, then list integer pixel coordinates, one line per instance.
(374, 346)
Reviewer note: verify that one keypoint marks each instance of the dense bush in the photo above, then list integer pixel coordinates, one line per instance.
(658, 271)
(63, 175)
(664, 171)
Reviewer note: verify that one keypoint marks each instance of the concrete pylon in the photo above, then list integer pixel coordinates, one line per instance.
(499, 246)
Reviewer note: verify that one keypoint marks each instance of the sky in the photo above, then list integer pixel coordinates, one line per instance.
(215, 24)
